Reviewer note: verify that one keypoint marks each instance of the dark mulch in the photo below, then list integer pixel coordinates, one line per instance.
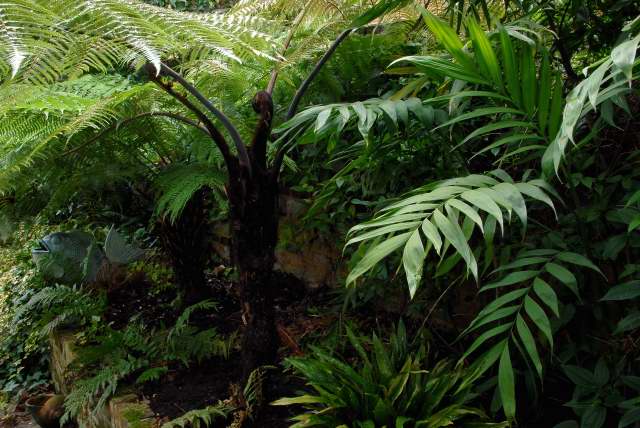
(139, 299)
(200, 385)
(193, 387)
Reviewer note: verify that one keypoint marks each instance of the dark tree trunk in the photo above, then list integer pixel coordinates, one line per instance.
(185, 241)
(254, 219)
(254, 229)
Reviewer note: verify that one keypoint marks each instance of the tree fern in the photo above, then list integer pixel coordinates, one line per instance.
(118, 31)
(442, 216)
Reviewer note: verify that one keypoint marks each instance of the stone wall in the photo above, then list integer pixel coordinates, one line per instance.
(314, 259)
(124, 411)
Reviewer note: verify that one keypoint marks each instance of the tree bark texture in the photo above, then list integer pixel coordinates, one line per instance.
(254, 219)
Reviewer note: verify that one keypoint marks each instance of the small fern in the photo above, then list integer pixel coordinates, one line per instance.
(178, 184)
(202, 417)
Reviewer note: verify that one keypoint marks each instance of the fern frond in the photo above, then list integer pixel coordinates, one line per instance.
(179, 183)
(118, 32)
(201, 417)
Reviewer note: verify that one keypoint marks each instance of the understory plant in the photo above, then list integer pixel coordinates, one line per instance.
(385, 385)
(138, 354)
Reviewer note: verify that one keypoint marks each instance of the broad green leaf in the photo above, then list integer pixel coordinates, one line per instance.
(484, 52)
(493, 316)
(391, 228)
(392, 219)
(529, 79)
(536, 193)
(413, 261)
(501, 301)
(546, 294)
(510, 66)
(382, 7)
(512, 278)
(494, 127)
(479, 112)
(540, 252)
(505, 141)
(402, 112)
(437, 194)
(555, 110)
(633, 199)
(303, 399)
(563, 275)
(506, 384)
(375, 254)
(449, 39)
(593, 83)
(578, 259)
(630, 322)
(624, 55)
(486, 336)
(580, 376)
(539, 318)
(529, 344)
(485, 203)
(544, 99)
(438, 68)
(390, 109)
(454, 235)
(467, 210)
(511, 193)
(432, 234)
(632, 382)
(322, 118)
(628, 290)
(521, 262)
(629, 418)
(483, 363)
(593, 417)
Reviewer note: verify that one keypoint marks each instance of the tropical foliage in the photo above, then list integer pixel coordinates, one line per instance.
(478, 161)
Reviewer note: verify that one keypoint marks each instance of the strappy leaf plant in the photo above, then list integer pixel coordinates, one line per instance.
(392, 385)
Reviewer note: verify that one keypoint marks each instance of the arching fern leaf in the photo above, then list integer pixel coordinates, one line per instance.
(178, 184)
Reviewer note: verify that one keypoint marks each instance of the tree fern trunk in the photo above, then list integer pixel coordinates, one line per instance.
(253, 198)
(254, 228)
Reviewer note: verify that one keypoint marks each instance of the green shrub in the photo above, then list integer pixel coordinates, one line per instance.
(391, 386)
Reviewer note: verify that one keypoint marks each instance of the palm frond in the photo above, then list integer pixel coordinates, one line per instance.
(442, 216)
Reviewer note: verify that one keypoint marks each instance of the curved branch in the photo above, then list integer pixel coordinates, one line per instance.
(263, 105)
(131, 119)
(233, 132)
(213, 132)
(293, 107)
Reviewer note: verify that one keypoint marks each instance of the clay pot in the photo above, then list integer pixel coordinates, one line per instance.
(46, 409)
